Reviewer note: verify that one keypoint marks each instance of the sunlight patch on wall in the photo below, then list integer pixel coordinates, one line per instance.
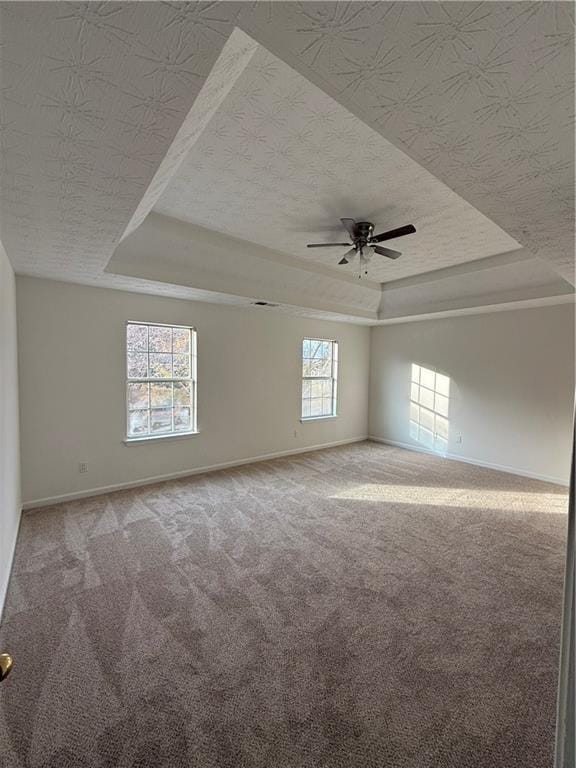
(429, 406)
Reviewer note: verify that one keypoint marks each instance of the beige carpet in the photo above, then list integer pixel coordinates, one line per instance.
(361, 606)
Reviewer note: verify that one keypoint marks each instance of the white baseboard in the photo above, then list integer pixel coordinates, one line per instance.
(467, 460)
(7, 568)
(38, 503)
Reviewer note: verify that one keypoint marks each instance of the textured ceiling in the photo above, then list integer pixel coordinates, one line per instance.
(281, 161)
(481, 94)
(94, 95)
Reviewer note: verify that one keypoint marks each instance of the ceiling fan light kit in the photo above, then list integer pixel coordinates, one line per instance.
(365, 242)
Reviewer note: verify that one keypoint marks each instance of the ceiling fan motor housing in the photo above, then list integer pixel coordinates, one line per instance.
(365, 242)
(363, 231)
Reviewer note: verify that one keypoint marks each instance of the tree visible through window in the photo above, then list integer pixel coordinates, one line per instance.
(319, 378)
(429, 402)
(161, 380)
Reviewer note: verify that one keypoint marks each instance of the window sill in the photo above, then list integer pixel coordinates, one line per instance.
(155, 438)
(318, 418)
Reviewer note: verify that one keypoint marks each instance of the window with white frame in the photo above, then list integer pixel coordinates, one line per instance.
(319, 378)
(161, 380)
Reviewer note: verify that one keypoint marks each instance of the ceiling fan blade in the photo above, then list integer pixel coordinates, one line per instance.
(392, 233)
(350, 226)
(387, 252)
(347, 256)
(325, 245)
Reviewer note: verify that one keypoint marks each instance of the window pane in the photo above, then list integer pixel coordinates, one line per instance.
(180, 340)
(137, 365)
(160, 338)
(316, 389)
(414, 412)
(321, 368)
(316, 406)
(160, 420)
(137, 396)
(160, 366)
(137, 423)
(182, 393)
(160, 395)
(315, 349)
(137, 338)
(319, 372)
(182, 419)
(182, 366)
(414, 392)
(156, 354)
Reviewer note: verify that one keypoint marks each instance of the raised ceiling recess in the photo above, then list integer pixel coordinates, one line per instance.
(281, 161)
(229, 135)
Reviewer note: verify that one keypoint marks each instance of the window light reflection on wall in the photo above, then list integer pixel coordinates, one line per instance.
(429, 404)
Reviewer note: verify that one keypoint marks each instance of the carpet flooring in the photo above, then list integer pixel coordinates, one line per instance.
(360, 606)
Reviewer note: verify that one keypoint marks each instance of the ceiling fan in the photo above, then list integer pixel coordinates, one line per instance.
(364, 242)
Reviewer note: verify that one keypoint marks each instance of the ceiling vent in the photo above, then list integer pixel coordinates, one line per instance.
(263, 304)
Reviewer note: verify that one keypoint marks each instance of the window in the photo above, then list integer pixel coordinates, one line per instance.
(161, 380)
(429, 401)
(319, 376)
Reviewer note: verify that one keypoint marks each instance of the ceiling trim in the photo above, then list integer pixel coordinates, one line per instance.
(170, 251)
(507, 306)
(469, 267)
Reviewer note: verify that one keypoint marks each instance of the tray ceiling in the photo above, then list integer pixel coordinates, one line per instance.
(281, 161)
(97, 111)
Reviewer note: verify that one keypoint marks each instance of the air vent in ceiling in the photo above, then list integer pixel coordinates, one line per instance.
(263, 304)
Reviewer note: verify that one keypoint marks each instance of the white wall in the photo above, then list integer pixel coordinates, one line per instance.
(71, 342)
(512, 385)
(9, 442)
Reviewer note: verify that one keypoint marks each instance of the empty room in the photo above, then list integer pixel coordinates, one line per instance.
(287, 384)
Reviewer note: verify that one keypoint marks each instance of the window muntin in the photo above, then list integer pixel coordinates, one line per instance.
(319, 378)
(161, 380)
(429, 408)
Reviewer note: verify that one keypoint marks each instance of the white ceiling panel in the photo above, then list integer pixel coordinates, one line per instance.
(98, 106)
(480, 94)
(281, 161)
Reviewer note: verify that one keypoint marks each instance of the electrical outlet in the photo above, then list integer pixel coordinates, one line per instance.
(295, 433)
(458, 439)
(82, 467)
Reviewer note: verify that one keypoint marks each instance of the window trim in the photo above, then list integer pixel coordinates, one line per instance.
(130, 440)
(332, 378)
